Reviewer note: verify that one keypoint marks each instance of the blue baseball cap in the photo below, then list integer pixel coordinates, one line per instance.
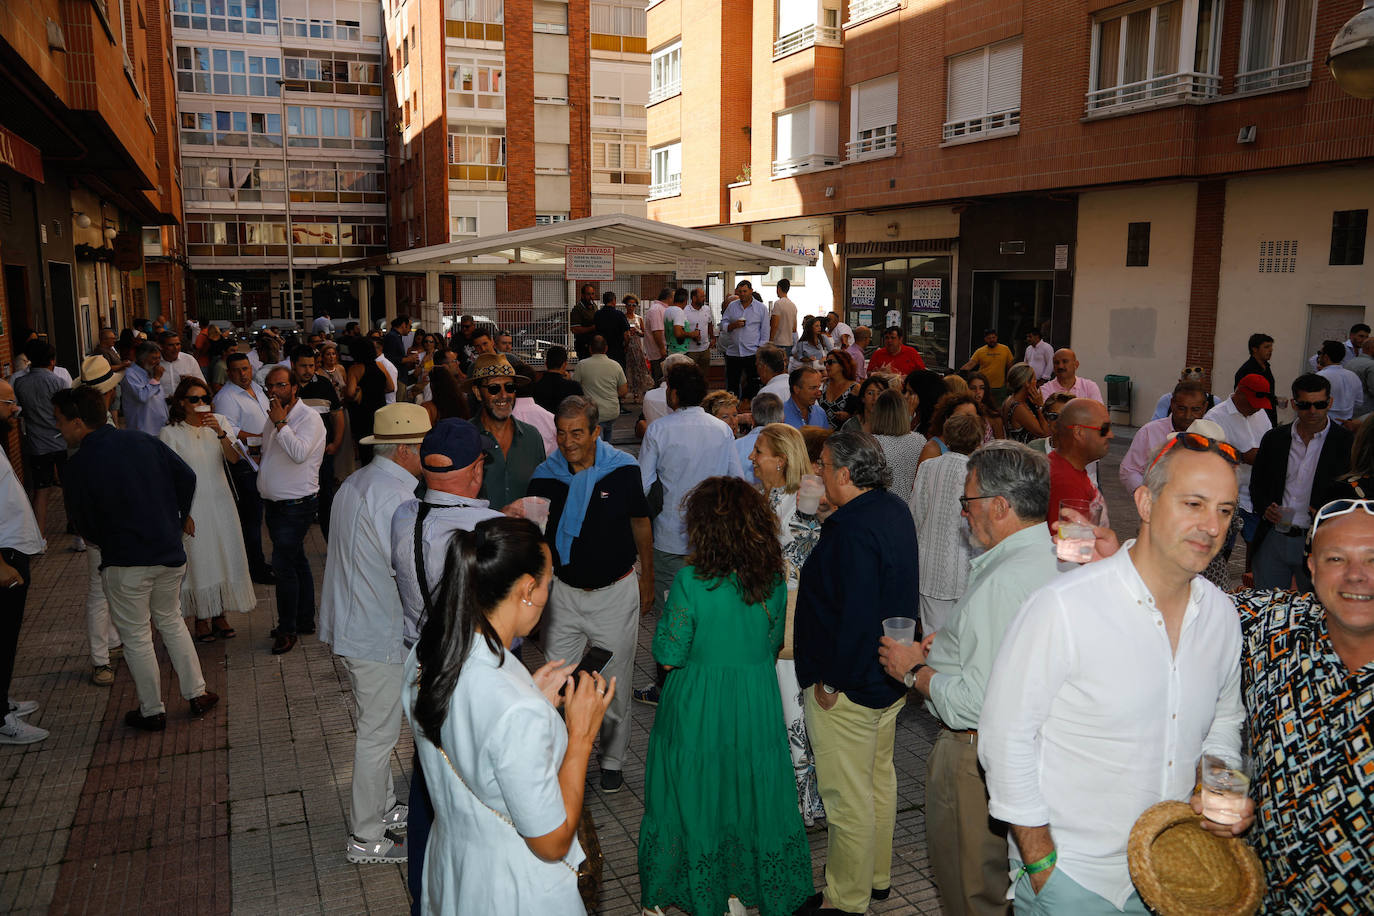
(457, 440)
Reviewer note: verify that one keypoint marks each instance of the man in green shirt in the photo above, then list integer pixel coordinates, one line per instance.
(513, 448)
(1005, 500)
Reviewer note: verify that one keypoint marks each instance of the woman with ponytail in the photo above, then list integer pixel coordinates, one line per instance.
(505, 772)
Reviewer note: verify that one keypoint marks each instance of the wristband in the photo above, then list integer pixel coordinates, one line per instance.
(221, 436)
(1036, 868)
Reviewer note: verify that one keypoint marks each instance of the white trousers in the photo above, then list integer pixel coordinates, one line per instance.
(99, 628)
(140, 595)
(377, 691)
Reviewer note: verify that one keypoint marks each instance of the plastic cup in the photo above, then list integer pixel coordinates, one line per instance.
(202, 408)
(1075, 540)
(901, 630)
(536, 509)
(809, 496)
(1285, 522)
(1225, 784)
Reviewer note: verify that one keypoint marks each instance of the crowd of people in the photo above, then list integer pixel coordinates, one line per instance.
(770, 532)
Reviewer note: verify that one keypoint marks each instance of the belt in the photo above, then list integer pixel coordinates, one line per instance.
(1295, 533)
(292, 502)
(966, 736)
(597, 588)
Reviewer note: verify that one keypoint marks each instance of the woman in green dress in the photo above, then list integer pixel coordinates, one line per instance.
(720, 803)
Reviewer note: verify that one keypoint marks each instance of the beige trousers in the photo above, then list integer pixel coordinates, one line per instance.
(968, 853)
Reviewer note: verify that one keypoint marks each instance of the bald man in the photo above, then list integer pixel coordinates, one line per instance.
(1084, 435)
(1066, 378)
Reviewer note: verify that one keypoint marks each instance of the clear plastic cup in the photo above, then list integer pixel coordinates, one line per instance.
(536, 509)
(1285, 522)
(1225, 784)
(901, 630)
(1075, 541)
(202, 408)
(809, 496)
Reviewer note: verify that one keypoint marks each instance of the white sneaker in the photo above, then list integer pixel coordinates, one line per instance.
(23, 708)
(79, 544)
(390, 848)
(17, 731)
(42, 547)
(395, 819)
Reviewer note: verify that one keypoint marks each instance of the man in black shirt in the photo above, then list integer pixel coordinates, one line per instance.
(554, 385)
(612, 324)
(582, 320)
(317, 388)
(596, 599)
(1261, 352)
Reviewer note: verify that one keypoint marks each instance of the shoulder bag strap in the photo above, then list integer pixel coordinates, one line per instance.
(420, 576)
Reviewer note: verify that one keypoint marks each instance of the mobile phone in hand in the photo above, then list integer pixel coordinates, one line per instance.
(595, 660)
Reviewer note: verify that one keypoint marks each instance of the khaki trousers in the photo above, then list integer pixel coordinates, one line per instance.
(967, 853)
(853, 747)
(140, 595)
(377, 692)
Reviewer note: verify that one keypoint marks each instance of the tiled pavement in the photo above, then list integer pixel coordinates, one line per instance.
(244, 810)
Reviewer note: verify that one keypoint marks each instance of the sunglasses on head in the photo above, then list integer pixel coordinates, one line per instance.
(1335, 509)
(498, 387)
(1311, 405)
(1196, 442)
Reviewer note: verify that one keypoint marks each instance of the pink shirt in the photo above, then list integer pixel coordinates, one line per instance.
(1082, 388)
(653, 321)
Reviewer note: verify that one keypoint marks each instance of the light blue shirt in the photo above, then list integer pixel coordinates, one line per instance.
(791, 415)
(744, 446)
(745, 341)
(681, 450)
(144, 402)
(360, 609)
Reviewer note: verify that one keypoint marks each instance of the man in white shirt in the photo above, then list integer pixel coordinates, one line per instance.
(1189, 403)
(393, 373)
(702, 336)
(841, 334)
(176, 365)
(1112, 682)
(782, 319)
(770, 362)
(655, 339)
(1244, 421)
(1347, 391)
(289, 483)
(1353, 346)
(245, 405)
(1039, 356)
(361, 619)
(656, 400)
(1066, 378)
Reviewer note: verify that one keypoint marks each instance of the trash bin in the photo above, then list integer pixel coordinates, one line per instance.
(1119, 394)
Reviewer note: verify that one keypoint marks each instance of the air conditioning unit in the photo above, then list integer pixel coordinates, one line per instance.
(1247, 134)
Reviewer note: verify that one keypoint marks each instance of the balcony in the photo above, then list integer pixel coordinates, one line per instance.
(985, 127)
(664, 91)
(671, 187)
(1284, 76)
(784, 168)
(859, 10)
(876, 147)
(804, 38)
(1161, 90)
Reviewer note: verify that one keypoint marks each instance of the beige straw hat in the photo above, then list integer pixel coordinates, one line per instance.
(1182, 870)
(398, 424)
(96, 373)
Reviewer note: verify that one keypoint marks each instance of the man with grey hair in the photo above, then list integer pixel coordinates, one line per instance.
(1111, 683)
(360, 618)
(656, 400)
(1005, 495)
(852, 705)
(771, 364)
(142, 399)
(598, 527)
(764, 409)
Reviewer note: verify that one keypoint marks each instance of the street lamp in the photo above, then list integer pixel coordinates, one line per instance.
(1352, 54)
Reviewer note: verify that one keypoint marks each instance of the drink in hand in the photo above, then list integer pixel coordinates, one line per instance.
(1225, 785)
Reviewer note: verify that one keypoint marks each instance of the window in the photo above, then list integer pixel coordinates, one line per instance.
(225, 72)
(548, 219)
(237, 17)
(462, 225)
(551, 158)
(859, 10)
(1155, 54)
(620, 158)
(551, 88)
(613, 19)
(551, 17)
(1347, 236)
(476, 10)
(1276, 45)
(805, 138)
(984, 93)
(477, 84)
(477, 152)
(803, 23)
(873, 118)
(1137, 244)
(665, 73)
(666, 172)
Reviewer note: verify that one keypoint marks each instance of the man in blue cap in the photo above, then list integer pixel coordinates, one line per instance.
(594, 488)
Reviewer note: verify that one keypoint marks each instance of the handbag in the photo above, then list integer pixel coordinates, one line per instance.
(788, 635)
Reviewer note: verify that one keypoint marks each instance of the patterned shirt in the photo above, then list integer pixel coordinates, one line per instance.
(1309, 721)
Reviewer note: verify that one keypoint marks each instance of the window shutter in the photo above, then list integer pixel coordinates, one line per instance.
(554, 85)
(782, 142)
(967, 74)
(603, 19)
(875, 104)
(674, 160)
(1004, 77)
(795, 15)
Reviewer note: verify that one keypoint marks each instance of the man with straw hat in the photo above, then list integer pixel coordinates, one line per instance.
(361, 617)
(1110, 685)
(97, 375)
(514, 448)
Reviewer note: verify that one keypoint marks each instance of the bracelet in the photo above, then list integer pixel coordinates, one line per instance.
(1036, 868)
(221, 436)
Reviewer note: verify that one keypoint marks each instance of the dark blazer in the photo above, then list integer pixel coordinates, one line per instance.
(1270, 472)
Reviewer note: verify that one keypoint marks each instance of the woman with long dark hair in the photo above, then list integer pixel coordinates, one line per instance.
(811, 347)
(720, 802)
(365, 389)
(504, 772)
(445, 396)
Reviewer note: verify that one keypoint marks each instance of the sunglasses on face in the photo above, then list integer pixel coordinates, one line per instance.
(1311, 405)
(497, 388)
(1102, 430)
(1196, 442)
(196, 399)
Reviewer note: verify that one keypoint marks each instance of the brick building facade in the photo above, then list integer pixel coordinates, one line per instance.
(965, 164)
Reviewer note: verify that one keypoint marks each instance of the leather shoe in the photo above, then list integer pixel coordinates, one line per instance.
(810, 905)
(285, 643)
(264, 577)
(204, 703)
(135, 719)
(882, 894)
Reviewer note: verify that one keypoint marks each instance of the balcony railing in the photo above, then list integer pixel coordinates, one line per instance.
(1160, 90)
(805, 37)
(860, 10)
(672, 187)
(798, 164)
(665, 91)
(1298, 73)
(985, 125)
(871, 147)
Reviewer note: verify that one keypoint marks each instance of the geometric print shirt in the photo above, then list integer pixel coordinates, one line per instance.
(1310, 723)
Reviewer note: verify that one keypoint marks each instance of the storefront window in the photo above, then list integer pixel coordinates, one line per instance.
(912, 293)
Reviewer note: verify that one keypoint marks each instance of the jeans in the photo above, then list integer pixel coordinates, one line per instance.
(327, 487)
(11, 618)
(607, 427)
(1279, 560)
(249, 504)
(288, 522)
(419, 820)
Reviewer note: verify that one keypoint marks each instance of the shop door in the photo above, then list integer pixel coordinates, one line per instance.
(1013, 302)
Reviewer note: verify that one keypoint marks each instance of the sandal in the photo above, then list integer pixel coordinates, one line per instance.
(222, 629)
(203, 631)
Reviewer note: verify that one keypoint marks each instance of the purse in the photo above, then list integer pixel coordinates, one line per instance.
(788, 648)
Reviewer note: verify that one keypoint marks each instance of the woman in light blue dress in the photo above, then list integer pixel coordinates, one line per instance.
(504, 772)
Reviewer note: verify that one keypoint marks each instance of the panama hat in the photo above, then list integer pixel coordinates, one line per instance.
(491, 366)
(1182, 870)
(96, 373)
(398, 424)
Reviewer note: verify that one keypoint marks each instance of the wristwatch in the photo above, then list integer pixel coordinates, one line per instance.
(830, 690)
(909, 679)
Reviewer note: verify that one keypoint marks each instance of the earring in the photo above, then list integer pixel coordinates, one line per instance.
(526, 601)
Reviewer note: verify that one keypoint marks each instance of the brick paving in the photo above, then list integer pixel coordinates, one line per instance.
(244, 810)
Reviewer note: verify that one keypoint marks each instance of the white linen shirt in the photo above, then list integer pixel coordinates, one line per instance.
(1090, 717)
(1137, 461)
(1041, 359)
(1347, 391)
(1244, 433)
(18, 527)
(778, 385)
(1302, 468)
(291, 455)
(173, 372)
(681, 450)
(448, 513)
(360, 609)
(245, 409)
(656, 404)
(386, 366)
(944, 553)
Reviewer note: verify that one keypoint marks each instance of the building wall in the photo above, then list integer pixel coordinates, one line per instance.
(1131, 320)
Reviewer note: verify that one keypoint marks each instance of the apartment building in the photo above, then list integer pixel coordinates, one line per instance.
(1148, 182)
(506, 115)
(281, 125)
(89, 199)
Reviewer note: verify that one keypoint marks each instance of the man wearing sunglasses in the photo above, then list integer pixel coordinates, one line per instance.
(1296, 464)
(1309, 661)
(1084, 436)
(513, 447)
